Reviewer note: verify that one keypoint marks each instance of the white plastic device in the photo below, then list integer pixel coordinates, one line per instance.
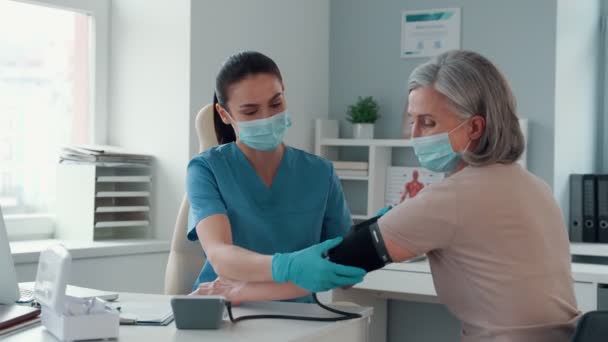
(70, 318)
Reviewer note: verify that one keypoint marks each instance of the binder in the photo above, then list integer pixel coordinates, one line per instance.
(602, 208)
(12, 315)
(589, 209)
(576, 208)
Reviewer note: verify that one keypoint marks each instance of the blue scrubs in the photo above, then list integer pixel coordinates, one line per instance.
(304, 205)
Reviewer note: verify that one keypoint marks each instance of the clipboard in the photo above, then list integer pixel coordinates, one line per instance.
(144, 313)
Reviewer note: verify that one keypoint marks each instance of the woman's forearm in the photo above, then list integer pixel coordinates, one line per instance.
(230, 261)
(255, 292)
(233, 262)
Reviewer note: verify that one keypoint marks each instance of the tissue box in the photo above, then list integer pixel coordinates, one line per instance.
(102, 325)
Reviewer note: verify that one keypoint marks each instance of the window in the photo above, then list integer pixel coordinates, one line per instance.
(46, 102)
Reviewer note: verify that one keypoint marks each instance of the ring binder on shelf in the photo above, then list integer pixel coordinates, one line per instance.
(576, 208)
(589, 209)
(602, 208)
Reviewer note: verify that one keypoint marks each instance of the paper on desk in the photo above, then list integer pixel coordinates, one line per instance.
(145, 313)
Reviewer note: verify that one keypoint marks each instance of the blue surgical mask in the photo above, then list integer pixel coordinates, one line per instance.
(435, 152)
(264, 134)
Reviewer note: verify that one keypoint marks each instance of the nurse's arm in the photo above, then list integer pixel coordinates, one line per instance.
(230, 261)
(238, 291)
(257, 292)
(396, 252)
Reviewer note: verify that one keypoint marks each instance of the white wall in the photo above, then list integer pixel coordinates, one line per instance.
(577, 71)
(365, 60)
(150, 94)
(603, 127)
(294, 33)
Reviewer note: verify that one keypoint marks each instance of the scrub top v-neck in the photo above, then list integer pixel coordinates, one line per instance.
(304, 204)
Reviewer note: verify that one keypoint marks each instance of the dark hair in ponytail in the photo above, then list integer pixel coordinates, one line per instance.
(236, 68)
(223, 132)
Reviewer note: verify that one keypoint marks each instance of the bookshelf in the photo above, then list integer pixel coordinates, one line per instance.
(379, 158)
(103, 201)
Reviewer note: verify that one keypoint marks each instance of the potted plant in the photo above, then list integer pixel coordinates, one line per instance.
(363, 114)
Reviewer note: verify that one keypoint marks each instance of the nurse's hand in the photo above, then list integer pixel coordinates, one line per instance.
(229, 289)
(384, 210)
(308, 268)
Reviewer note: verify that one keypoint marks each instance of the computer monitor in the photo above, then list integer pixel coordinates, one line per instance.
(9, 288)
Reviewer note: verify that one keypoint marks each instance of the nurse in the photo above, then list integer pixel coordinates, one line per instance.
(255, 200)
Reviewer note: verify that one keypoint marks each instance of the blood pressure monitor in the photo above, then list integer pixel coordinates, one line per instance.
(363, 247)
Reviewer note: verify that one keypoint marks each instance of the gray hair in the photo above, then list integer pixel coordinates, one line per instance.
(474, 86)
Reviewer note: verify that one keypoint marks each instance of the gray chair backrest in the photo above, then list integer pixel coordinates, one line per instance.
(592, 327)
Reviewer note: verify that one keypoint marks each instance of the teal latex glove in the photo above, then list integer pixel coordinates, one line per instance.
(308, 269)
(384, 210)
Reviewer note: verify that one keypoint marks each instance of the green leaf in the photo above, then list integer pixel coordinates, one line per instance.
(365, 110)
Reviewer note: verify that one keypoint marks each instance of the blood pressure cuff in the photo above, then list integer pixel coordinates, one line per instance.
(363, 247)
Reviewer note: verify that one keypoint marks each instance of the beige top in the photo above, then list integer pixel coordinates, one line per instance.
(498, 251)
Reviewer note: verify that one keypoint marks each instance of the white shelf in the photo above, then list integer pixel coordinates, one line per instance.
(122, 209)
(123, 179)
(116, 224)
(366, 142)
(96, 196)
(378, 158)
(589, 249)
(123, 194)
(355, 178)
(27, 252)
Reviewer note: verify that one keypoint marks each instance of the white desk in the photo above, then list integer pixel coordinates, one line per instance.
(263, 330)
(107, 265)
(414, 282)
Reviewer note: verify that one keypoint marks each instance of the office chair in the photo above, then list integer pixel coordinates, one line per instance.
(592, 327)
(186, 257)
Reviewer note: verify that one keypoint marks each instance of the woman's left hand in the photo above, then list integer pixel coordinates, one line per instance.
(229, 289)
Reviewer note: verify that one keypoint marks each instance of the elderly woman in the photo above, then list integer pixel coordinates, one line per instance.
(493, 233)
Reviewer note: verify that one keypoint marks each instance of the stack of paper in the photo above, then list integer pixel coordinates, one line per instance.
(351, 168)
(101, 154)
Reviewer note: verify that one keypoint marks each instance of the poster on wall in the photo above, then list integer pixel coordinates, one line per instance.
(429, 33)
(403, 182)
